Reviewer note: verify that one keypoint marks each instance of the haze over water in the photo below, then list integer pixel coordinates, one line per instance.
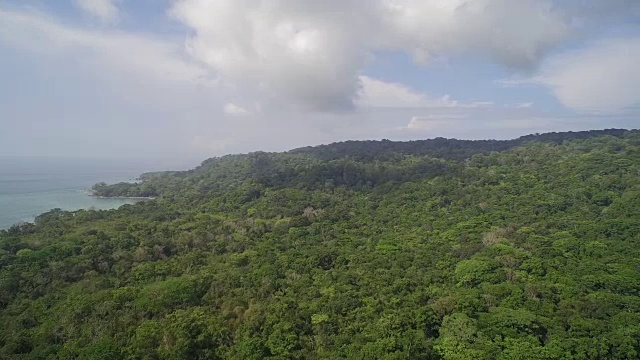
(30, 186)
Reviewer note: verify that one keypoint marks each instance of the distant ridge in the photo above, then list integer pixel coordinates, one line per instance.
(349, 163)
(366, 150)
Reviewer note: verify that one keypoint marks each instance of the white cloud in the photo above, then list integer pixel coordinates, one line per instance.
(517, 32)
(232, 109)
(89, 83)
(524, 105)
(310, 53)
(304, 53)
(433, 122)
(481, 104)
(603, 77)
(105, 10)
(138, 55)
(376, 93)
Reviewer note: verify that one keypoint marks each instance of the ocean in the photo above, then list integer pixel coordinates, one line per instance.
(30, 186)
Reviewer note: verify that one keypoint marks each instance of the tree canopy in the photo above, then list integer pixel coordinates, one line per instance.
(434, 249)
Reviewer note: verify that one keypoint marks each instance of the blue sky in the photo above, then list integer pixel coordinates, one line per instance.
(189, 79)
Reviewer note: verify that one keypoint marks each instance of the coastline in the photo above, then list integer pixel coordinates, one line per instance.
(92, 194)
(122, 197)
(33, 186)
(27, 206)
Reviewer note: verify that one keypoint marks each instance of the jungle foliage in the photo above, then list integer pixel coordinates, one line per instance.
(434, 249)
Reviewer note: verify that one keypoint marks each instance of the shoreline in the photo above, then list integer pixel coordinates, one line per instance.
(122, 197)
(6, 222)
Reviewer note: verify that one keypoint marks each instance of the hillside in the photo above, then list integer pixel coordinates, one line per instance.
(433, 249)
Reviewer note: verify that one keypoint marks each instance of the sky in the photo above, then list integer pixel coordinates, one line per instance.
(191, 79)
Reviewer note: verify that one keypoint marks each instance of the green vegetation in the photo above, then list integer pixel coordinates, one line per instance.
(436, 249)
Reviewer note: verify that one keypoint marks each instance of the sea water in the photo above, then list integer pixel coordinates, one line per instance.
(30, 186)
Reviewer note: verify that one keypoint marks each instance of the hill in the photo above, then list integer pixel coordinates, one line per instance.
(434, 249)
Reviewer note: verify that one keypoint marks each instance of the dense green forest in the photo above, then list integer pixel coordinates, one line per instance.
(434, 249)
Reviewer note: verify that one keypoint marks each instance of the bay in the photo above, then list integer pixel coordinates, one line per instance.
(30, 186)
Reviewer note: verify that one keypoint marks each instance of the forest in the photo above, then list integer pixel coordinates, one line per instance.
(432, 249)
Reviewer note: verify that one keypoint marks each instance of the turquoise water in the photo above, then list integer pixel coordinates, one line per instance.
(31, 186)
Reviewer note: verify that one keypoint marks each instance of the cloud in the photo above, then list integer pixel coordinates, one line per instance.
(105, 10)
(70, 89)
(603, 77)
(433, 122)
(524, 105)
(104, 92)
(139, 56)
(310, 54)
(377, 93)
(515, 33)
(301, 53)
(232, 109)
